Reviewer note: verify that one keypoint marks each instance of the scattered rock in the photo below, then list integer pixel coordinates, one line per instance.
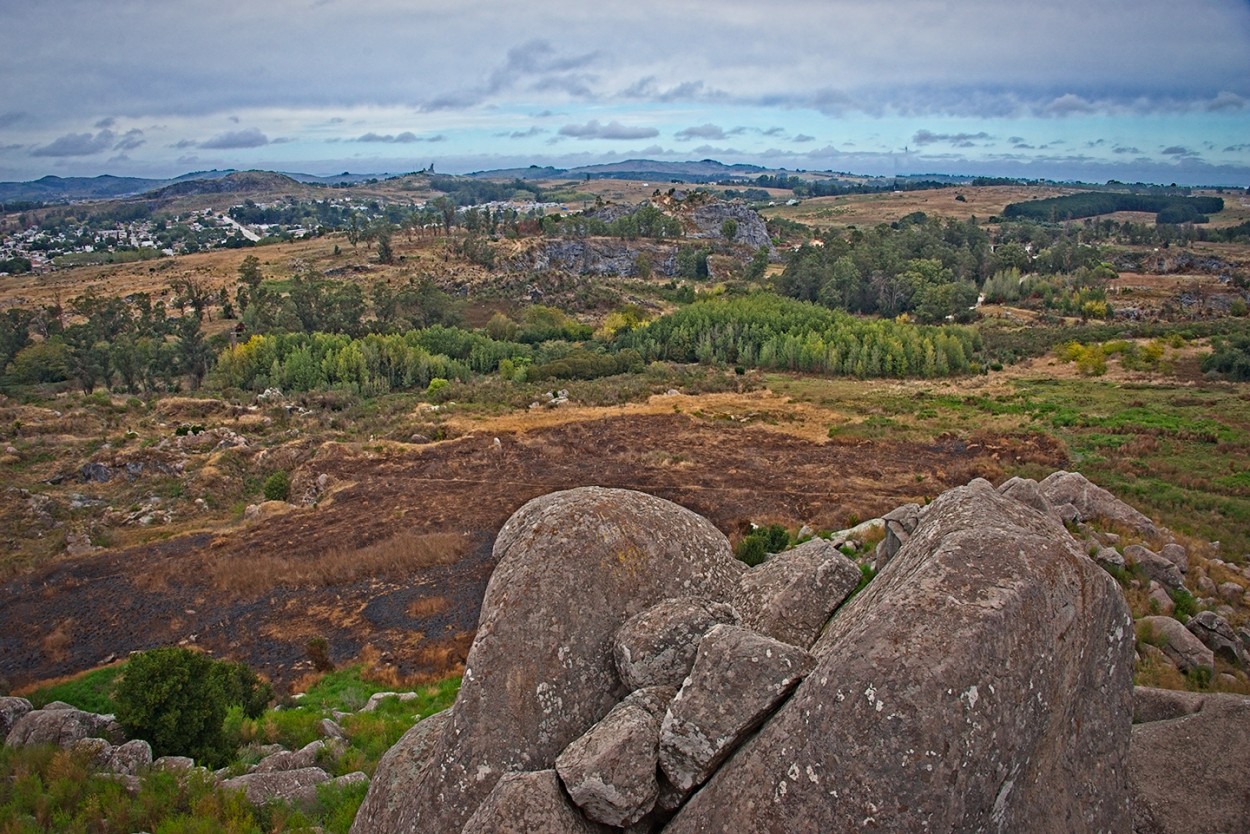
(1160, 602)
(378, 697)
(610, 772)
(1230, 592)
(657, 647)
(1218, 636)
(1109, 558)
(298, 787)
(1093, 502)
(899, 524)
(1026, 491)
(792, 595)
(131, 758)
(177, 764)
(1153, 704)
(1155, 566)
(329, 728)
(737, 680)
(1177, 642)
(1177, 555)
(300, 759)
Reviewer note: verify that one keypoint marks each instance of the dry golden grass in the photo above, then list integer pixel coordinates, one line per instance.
(401, 553)
(58, 640)
(870, 209)
(427, 606)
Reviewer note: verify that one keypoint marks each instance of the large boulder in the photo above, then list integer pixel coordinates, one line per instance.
(1177, 642)
(792, 595)
(573, 566)
(610, 772)
(1027, 492)
(1093, 502)
(737, 681)
(62, 727)
(529, 802)
(306, 756)
(983, 681)
(1155, 567)
(407, 765)
(131, 758)
(1189, 772)
(657, 646)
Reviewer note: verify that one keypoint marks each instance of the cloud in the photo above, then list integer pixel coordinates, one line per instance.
(522, 134)
(236, 139)
(1227, 101)
(1237, 148)
(403, 138)
(1126, 149)
(612, 130)
(535, 65)
(959, 140)
(1178, 150)
(77, 144)
(11, 118)
(105, 122)
(183, 144)
(703, 131)
(130, 140)
(802, 138)
(1068, 104)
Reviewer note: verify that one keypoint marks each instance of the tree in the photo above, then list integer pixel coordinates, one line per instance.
(249, 271)
(386, 255)
(729, 229)
(194, 355)
(176, 700)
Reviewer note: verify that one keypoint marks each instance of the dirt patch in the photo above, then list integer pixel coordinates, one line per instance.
(418, 612)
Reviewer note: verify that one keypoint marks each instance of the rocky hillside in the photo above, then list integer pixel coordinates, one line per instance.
(628, 673)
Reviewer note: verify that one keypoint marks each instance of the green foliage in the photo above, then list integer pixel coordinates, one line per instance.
(765, 331)
(1230, 358)
(754, 547)
(277, 486)
(1185, 604)
(1170, 208)
(177, 699)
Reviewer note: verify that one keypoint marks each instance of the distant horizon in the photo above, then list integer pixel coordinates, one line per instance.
(1130, 90)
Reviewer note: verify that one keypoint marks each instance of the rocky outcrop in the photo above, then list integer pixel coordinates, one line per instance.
(12, 709)
(1155, 567)
(573, 566)
(982, 681)
(1178, 784)
(1177, 642)
(709, 222)
(603, 257)
(299, 787)
(950, 691)
(1218, 636)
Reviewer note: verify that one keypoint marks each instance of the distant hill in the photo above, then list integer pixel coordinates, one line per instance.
(233, 183)
(632, 169)
(52, 189)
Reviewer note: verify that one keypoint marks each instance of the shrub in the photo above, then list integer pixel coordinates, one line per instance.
(318, 650)
(277, 486)
(756, 545)
(177, 699)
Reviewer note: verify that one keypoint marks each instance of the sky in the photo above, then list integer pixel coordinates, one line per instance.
(1092, 90)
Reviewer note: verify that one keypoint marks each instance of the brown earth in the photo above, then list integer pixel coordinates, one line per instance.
(416, 617)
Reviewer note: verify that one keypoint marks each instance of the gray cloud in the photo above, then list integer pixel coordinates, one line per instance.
(236, 139)
(1226, 101)
(11, 118)
(803, 138)
(961, 140)
(77, 144)
(131, 140)
(1068, 104)
(403, 138)
(703, 131)
(1178, 150)
(612, 130)
(1122, 149)
(523, 134)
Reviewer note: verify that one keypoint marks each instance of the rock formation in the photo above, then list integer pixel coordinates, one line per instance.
(981, 682)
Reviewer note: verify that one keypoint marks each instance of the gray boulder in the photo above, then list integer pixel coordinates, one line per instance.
(62, 727)
(1109, 558)
(792, 595)
(532, 803)
(657, 646)
(1160, 602)
(1155, 566)
(131, 758)
(1177, 555)
(1154, 704)
(610, 772)
(329, 728)
(572, 567)
(11, 709)
(1218, 636)
(899, 524)
(408, 764)
(1093, 502)
(737, 680)
(1180, 783)
(1177, 642)
(176, 764)
(299, 787)
(305, 757)
(982, 681)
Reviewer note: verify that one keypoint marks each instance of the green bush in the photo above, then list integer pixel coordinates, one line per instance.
(277, 486)
(176, 700)
(756, 545)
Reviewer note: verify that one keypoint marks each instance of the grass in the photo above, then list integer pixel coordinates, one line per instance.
(90, 691)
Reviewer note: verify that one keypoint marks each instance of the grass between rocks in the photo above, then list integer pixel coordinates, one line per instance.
(45, 789)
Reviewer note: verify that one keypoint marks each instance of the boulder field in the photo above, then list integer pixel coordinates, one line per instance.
(630, 674)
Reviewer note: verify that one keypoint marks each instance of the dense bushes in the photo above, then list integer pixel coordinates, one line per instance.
(177, 699)
(1169, 208)
(1231, 358)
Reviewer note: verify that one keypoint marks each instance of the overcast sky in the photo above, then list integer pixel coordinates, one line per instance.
(1155, 90)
